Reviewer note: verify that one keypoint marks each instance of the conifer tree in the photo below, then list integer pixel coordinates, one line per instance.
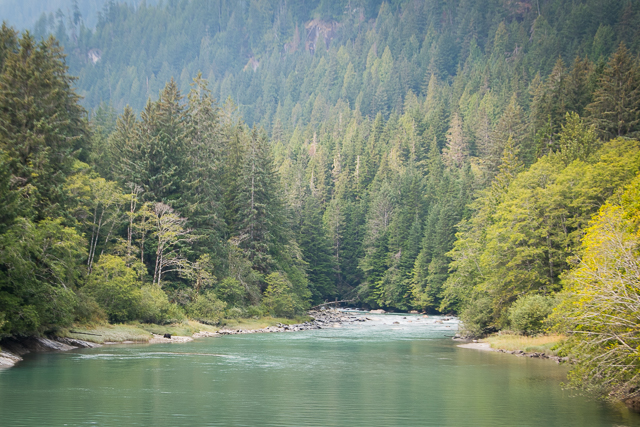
(615, 109)
(260, 223)
(317, 252)
(41, 123)
(162, 133)
(457, 150)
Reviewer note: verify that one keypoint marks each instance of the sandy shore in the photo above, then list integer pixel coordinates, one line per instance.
(484, 346)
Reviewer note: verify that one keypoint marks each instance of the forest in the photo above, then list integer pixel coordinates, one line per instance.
(214, 160)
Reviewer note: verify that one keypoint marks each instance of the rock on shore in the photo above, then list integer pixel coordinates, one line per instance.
(13, 348)
(322, 319)
(521, 353)
(157, 339)
(8, 359)
(487, 347)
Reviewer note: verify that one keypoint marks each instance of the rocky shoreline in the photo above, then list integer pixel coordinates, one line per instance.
(13, 348)
(322, 319)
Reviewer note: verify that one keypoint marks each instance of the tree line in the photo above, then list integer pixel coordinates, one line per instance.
(175, 212)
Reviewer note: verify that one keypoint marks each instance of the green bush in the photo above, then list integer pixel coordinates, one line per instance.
(88, 310)
(207, 308)
(234, 313)
(156, 308)
(40, 265)
(115, 287)
(254, 311)
(231, 291)
(279, 298)
(2, 322)
(477, 317)
(528, 313)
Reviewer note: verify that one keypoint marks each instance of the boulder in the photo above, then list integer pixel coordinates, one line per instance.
(78, 343)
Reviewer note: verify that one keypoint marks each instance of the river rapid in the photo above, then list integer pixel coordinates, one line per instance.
(376, 373)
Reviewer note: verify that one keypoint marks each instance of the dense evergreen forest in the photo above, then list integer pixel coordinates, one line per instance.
(220, 159)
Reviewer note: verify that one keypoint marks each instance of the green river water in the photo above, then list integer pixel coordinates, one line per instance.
(367, 374)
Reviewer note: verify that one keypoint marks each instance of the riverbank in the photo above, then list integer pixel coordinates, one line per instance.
(542, 346)
(89, 336)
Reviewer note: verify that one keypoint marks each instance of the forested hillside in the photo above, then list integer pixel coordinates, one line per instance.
(293, 61)
(255, 157)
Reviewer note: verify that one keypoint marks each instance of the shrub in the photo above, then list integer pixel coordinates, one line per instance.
(88, 310)
(115, 287)
(156, 308)
(234, 313)
(477, 317)
(254, 311)
(279, 298)
(528, 313)
(231, 291)
(207, 308)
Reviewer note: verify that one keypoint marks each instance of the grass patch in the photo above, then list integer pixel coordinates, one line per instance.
(548, 344)
(107, 333)
(180, 329)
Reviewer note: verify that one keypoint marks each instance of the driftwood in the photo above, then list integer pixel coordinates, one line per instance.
(331, 302)
(84, 333)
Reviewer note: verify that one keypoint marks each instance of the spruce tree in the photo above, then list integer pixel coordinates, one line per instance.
(317, 252)
(42, 126)
(261, 219)
(615, 110)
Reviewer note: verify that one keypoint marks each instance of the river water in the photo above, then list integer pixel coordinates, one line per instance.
(368, 374)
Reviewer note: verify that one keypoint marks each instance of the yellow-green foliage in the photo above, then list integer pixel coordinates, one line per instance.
(156, 308)
(528, 313)
(207, 308)
(601, 300)
(115, 288)
(542, 343)
(520, 239)
(279, 298)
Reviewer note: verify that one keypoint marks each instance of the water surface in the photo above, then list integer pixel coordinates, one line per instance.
(369, 374)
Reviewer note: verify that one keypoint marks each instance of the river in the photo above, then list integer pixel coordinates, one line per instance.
(367, 374)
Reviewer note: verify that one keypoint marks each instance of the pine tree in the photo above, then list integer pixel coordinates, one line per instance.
(162, 132)
(511, 125)
(126, 163)
(41, 123)
(234, 151)
(317, 252)
(576, 140)
(615, 109)
(260, 226)
(203, 204)
(457, 149)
